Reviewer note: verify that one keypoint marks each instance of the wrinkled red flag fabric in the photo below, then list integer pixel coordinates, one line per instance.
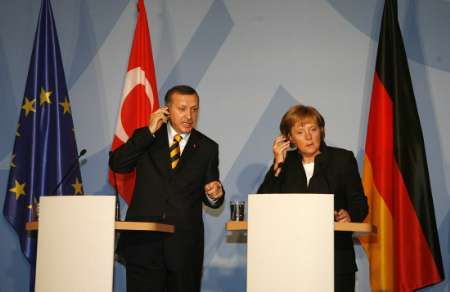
(139, 97)
(404, 252)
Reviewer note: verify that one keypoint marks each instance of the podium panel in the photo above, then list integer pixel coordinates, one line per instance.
(75, 244)
(290, 245)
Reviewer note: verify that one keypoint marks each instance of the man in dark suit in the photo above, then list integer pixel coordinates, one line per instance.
(176, 170)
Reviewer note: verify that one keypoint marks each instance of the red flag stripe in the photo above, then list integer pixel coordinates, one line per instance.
(379, 141)
(414, 264)
(399, 189)
(139, 98)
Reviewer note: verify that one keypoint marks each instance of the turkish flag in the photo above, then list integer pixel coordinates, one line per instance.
(139, 97)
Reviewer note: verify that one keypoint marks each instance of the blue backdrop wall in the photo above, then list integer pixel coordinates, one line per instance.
(250, 60)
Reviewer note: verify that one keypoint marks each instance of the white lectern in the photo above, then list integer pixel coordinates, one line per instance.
(290, 243)
(75, 244)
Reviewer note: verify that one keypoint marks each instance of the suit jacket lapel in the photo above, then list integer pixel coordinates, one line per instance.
(321, 161)
(295, 170)
(160, 150)
(321, 180)
(189, 150)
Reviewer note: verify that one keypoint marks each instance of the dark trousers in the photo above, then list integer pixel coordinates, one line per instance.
(156, 263)
(344, 282)
(149, 279)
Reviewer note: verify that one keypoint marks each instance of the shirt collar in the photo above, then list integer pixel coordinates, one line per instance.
(171, 133)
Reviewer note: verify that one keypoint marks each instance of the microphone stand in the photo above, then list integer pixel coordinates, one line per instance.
(76, 162)
(116, 193)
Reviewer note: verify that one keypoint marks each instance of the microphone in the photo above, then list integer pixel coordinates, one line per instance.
(116, 193)
(76, 162)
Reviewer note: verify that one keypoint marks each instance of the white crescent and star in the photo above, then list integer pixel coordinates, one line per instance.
(133, 78)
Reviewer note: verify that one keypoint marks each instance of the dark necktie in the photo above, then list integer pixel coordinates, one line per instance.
(174, 151)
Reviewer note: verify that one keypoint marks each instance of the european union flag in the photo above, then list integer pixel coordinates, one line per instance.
(45, 148)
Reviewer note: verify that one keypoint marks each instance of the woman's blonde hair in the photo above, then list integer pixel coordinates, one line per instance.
(301, 113)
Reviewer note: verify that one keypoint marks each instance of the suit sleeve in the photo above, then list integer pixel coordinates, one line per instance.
(212, 174)
(124, 158)
(356, 200)
(271, 183)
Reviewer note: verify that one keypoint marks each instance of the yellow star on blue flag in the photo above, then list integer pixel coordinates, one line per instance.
(28, 106)
(77, 187)
(65, 105)
(18, 189)
(45, 156)
(44, 97)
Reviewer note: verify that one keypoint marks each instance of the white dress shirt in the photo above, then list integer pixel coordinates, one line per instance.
(309, 171)
(171, 133)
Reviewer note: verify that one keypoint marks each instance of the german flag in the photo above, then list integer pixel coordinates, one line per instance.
(404, 253)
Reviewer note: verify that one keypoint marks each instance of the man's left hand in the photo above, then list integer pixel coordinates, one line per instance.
(214, 190)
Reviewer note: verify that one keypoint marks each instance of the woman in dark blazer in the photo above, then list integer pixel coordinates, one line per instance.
(315, 167)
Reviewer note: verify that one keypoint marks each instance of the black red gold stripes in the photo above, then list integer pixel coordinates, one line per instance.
(404, 254)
